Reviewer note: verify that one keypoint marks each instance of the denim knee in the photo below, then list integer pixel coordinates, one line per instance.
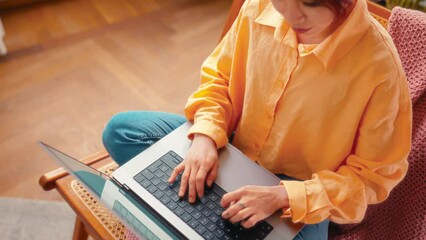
(129, 133)
(113, 139)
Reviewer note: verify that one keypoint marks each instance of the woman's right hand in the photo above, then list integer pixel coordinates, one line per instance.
(199, 167)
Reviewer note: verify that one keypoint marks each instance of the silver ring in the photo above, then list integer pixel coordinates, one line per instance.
(241, 205)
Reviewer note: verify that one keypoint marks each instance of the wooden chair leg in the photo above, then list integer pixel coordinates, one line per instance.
(80, 232)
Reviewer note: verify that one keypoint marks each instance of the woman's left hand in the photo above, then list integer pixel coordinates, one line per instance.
(251, 204)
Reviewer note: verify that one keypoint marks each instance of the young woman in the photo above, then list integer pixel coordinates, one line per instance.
(312, 90)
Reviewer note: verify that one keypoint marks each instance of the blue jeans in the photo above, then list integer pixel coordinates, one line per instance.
(129, 133)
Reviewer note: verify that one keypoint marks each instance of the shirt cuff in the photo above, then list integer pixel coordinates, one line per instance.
(208, 128)
(297, 200)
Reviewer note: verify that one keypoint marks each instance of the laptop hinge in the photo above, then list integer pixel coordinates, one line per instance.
(122, 186)
(126, 187)
(119, 184)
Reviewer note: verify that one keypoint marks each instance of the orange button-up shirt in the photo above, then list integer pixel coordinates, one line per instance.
(336, 115)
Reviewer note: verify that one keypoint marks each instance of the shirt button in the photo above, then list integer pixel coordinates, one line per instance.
(280, 84)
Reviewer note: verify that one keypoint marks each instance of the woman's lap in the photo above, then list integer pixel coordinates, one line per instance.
(129, 133)
(317, 231)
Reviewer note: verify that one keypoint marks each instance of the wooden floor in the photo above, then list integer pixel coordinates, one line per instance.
(73, 64)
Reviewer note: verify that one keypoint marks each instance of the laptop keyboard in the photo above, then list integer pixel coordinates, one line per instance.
(204, 216)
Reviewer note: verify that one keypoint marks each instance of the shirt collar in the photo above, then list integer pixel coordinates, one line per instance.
(335, 46)
(283, 33)
(344, 38)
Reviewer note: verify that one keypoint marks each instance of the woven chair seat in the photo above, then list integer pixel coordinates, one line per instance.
(104, 215)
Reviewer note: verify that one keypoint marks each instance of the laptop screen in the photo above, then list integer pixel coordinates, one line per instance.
(136, 217)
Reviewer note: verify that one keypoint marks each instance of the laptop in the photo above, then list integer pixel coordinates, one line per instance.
(144, 180)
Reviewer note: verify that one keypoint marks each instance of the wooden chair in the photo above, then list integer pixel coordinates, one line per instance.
(92, 218)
